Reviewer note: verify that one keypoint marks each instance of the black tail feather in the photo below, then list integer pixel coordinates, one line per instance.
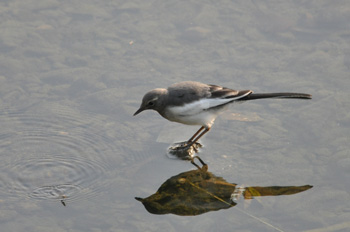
(254, 96)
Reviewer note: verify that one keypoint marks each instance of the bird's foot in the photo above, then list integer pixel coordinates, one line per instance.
(184, 150)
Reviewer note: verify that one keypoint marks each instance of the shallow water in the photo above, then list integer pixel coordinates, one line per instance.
(72, 74)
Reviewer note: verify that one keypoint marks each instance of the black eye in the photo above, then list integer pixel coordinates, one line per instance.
(151, 103)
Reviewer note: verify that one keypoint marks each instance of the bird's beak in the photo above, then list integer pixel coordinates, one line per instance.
(139, 111)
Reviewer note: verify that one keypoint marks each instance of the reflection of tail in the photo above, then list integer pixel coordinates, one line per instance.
(254, 96)
(257, 191)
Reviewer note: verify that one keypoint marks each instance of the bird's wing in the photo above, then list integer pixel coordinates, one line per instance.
(208, 103)
(226, 93)
(186, 92)
(190, 98)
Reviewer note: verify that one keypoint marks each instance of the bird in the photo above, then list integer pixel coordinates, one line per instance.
(195, 103)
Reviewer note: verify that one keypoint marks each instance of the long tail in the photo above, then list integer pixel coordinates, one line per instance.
(254, 96)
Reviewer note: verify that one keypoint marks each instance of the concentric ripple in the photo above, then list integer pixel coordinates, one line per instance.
(59, 192)
(53, 152)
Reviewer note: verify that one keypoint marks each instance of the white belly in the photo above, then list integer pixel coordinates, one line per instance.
(197, 113)
(204, 119)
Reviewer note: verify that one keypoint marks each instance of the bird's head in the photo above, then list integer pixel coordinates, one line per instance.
(152, 100)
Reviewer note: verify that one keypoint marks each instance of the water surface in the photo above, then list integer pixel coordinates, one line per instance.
(72, 74)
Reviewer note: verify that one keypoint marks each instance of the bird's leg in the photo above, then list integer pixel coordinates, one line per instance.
(206, 129)
(195, 134)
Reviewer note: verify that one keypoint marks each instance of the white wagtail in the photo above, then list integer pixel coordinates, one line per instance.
(195, 103)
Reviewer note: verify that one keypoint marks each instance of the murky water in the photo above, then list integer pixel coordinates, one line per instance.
(73, 158)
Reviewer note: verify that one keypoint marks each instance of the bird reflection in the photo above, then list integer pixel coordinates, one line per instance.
(199, 191)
